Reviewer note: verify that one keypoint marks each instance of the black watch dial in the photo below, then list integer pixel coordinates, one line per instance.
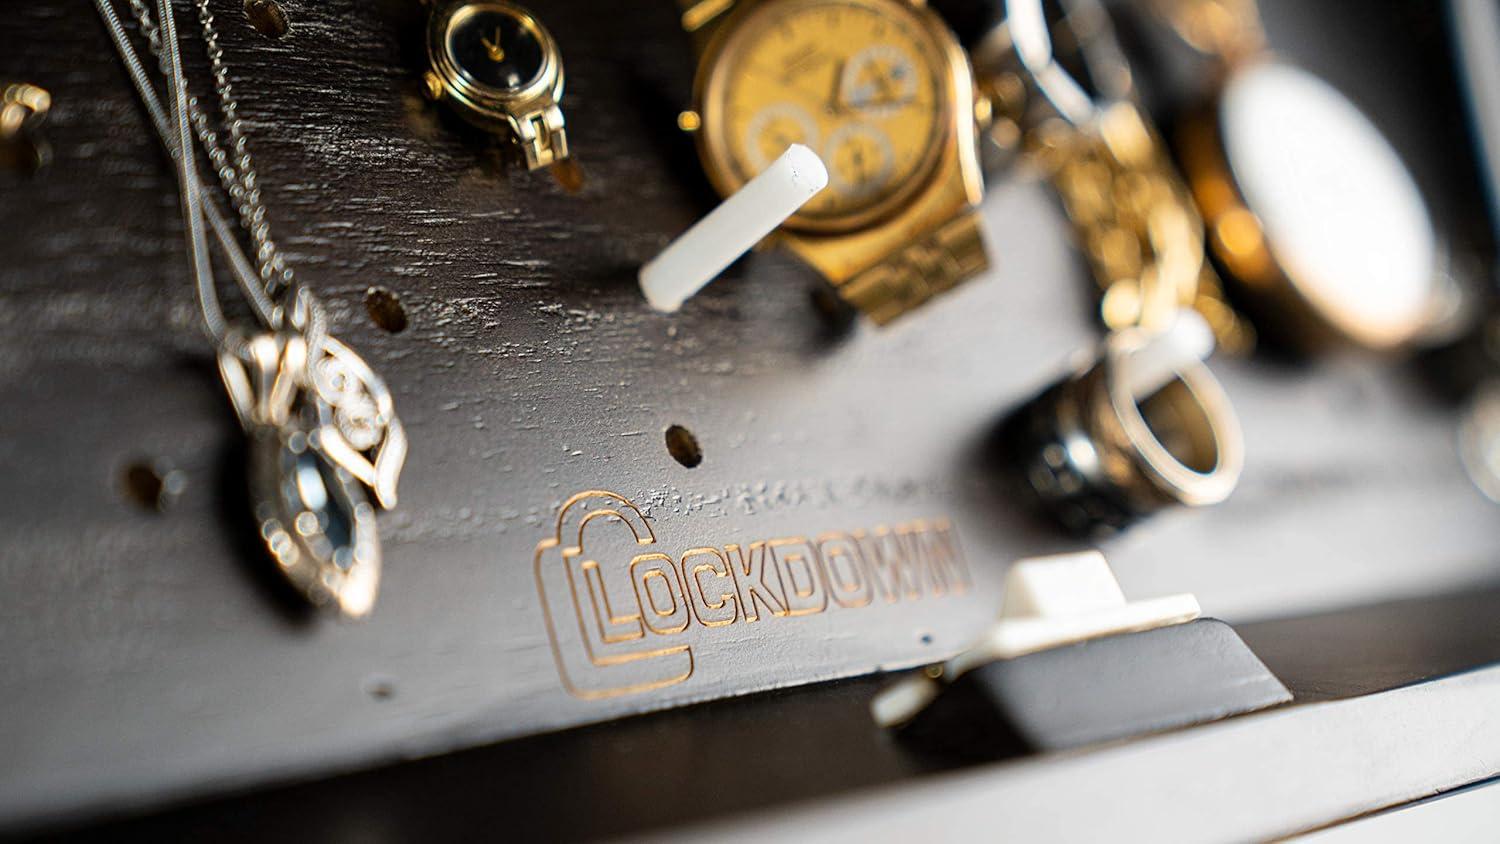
(496, 48)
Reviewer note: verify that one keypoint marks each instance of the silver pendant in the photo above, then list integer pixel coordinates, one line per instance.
(322, 428)
(315, 518)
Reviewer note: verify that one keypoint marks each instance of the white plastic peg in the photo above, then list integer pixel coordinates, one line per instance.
(1189, 340)
(1049, 602)
(714, 242)
(1065, 598)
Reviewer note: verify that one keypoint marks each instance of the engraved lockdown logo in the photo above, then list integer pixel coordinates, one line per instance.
(618, 607)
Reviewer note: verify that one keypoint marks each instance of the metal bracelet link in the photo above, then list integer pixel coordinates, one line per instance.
(1136, 223)
(944, 258)
(543, 137)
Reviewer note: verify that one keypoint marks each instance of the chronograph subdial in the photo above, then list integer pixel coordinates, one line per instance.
(773, 129)
(860, 161)
(879, 80)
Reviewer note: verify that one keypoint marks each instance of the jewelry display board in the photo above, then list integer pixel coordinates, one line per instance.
(150, 656)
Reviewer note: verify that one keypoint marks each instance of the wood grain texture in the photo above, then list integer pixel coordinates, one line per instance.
(148, 656)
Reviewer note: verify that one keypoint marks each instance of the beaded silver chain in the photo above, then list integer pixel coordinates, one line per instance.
(236, 171)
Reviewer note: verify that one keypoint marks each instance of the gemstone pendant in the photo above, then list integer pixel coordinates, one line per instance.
(315, 518)
(324, 436)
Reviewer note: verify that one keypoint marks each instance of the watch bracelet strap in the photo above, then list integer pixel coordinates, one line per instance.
(543, 136)
(1118, 191)
(932, 264)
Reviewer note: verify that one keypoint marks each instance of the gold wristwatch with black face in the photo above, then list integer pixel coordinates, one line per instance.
(500, 69)
(881, 90)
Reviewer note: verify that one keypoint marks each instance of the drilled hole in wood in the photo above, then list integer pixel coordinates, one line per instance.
(152, 486)
(385, 309)
(268, 17)
(683, 446)
(380, 688)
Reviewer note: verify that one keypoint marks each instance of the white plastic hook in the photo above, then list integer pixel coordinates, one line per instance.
(1049, 602)
(690, 262)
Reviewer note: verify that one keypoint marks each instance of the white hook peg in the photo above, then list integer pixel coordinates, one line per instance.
(714, 242)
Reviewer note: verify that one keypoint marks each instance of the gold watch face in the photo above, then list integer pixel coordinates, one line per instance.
(864, 83)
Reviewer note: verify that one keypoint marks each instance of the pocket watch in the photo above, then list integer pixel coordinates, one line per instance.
(882, 91)
(500, 69)
(1308, 207)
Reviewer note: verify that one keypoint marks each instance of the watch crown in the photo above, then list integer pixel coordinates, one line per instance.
(432, 86)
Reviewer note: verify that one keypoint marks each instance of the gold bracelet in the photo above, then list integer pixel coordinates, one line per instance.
(1136, 223)
(940, 260)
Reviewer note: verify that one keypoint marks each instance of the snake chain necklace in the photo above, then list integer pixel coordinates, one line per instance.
(323, 431)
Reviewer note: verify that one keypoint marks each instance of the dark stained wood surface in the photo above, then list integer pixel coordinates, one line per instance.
(147, 656)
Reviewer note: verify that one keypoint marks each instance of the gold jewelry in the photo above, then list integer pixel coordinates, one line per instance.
(1136, 224)
(882, 91)
(23, 110)
(501, 70)
(1134, 217)
(1229, 29)
(22, 107)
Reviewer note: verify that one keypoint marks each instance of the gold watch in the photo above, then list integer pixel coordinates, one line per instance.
(882, 91)
(499, 68)
(1308, 207)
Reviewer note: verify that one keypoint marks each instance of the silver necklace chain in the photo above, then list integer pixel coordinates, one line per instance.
(269, 285)
(300, 394)
(244, 273)
(235, 168)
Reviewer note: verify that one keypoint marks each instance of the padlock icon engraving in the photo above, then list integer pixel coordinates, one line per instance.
(610, 602)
